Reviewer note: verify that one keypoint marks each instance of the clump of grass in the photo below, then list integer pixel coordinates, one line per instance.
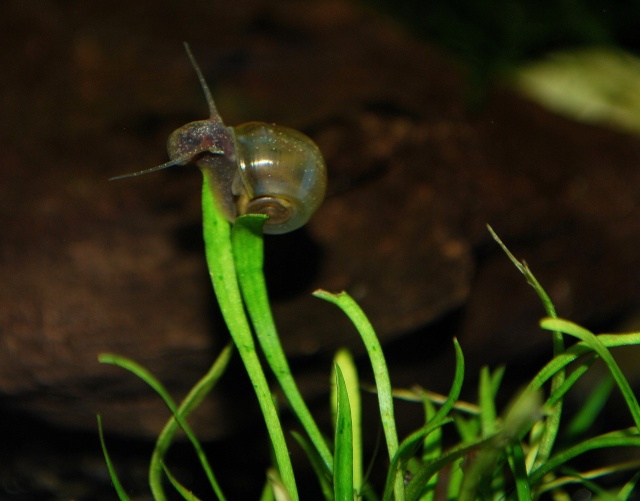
(517, 453)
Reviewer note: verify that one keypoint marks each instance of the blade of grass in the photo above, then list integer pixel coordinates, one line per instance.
(487, 403)
(277, 486)
(222, 271)
(267, 492)
(552, 423)
(380, 373)
(531, 279)
(410, 445)
(629, 487)
(519, 469)
(590, 410)
(406, 451)
(496, 379)
(596, 345)
(456, 477)
(343, 471)
(179, 416)
(484, 469)
(247, 242)
(326, 482)
(418, 394)
(572, 379)
(624, 438)
(579, 349)
(432, 449)
(344, 360)
(421, 478)
(182, 490)
(193, 399)
(468, 428)
(575, 477)
(122, 495)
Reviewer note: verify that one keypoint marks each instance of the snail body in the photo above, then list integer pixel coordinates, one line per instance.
(253, 168)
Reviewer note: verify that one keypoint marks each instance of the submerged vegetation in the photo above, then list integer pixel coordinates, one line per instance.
(523, 452)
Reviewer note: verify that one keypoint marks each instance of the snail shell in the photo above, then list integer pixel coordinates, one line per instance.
(254, 168)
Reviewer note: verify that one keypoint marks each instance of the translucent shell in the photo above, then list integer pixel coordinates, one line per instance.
(254, 168)
(281, 173)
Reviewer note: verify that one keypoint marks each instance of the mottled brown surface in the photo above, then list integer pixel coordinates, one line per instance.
(92, 89)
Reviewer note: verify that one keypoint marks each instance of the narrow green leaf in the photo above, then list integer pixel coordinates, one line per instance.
(317, 463)
(468, 428)
(456, 477)
(191, 402)
(411, 444)
(572, 379)
(573, 477)
(182, 490)
(496, 380)
(627, 489)
(519, 416)
(590, 410)
(579, 349)
(195, 396)
(380, 373)
(267, 492)
(246, 237)
(519, 469)
(552, 424)
(277, 486)
(531, 279)
(596, 345)
(487, 404)
(344, 360)
(625, 438)
(220, 260)
(122, 495)
(417, 484)
(431, 449)
(483, 472)
(343, 470)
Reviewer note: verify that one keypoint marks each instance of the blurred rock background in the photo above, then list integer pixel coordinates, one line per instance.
(427, 140)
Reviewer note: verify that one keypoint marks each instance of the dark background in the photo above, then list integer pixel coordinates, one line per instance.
(425, 145)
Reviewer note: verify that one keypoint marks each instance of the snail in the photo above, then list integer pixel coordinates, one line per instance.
(253, 168)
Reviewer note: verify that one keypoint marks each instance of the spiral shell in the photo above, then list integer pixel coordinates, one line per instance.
(254, 168)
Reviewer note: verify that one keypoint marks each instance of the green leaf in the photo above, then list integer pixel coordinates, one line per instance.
(191, 402)
(629, 487)
(552, 423)
(193, 399)
(222, 271)
(380, 373)
(598, 346)
(344, 361)
(411, 444)
(590, 410)
(576, 351)
(625, 438)
(318, 465)
(431, 449)
(417, 484)
(122, 495)
(487, 404)
(246, 237)
(343, 471)
(182, 490)
(519, 469)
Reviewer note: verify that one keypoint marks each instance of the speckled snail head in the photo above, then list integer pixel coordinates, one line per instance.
(254, 168)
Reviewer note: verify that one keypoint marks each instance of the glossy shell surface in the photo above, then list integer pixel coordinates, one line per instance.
(281, 173)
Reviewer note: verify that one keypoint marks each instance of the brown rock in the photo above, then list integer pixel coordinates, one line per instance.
(92, 90)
